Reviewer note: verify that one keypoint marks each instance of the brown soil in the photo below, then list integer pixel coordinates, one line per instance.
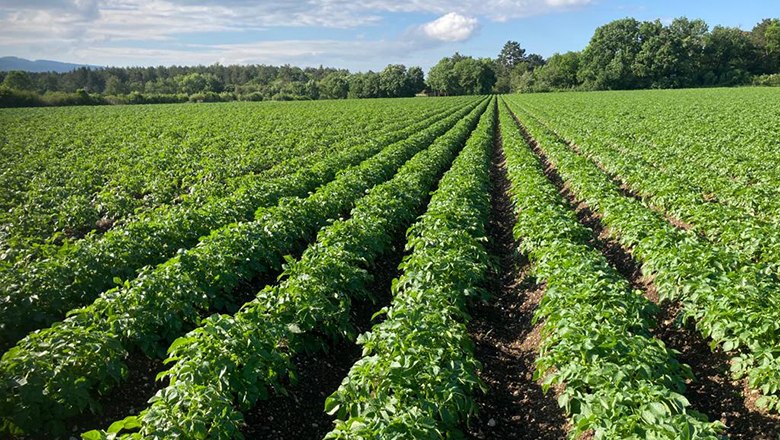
(713, 392)
(301, 415)
(506, 341)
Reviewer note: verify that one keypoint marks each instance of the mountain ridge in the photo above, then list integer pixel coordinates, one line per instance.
(8, 63)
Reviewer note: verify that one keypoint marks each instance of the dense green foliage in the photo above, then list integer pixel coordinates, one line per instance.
(632, 54)
(461, 75)
(45, 281)
(620, 382)
(622, 54)
(658, 166)
(140, 85)
(137, 232)
(418, 372)
(731, 295)
(156, 307)
(313, 300)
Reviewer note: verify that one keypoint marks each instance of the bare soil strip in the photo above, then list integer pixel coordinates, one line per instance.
(301, 414)
(506, 341)
(712, 393)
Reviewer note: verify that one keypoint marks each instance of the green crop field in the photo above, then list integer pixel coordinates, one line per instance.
(584, 265)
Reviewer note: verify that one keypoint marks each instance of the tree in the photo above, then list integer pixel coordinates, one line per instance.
(312, 89)
(364, 85)
(161, 86)
(766, 37)
(199, 82)
(656, 62)
(441, 78)
(560, 72)
(511, 55)
(475, 77)
(18, 80)
(115, 86)
(690, 36)
(392, 81)
(415, 80)
(772, 37)
(524, 81)
(729, 57)
(459, 75)
(607, 60)
(334, 86)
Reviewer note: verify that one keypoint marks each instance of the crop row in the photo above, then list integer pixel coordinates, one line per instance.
(617, 380)
(86, 172)
(701, 170)
(303, 148)
(60, 371)
(418, 371)
(756, 239)
(224, 366)
(37, 294)
(719, 133)
(186, 160)
(735, 305)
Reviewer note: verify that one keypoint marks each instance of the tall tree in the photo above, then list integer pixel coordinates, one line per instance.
(691, 37)
(334, 86)
(534, 60)
(18, 80)
(392, 81)
(415, 79)
(729, 56)
(607, 60)
(459, 75)
(442, 79)
(766, 38)
(511, 55)
(560, 72)
(655, 65)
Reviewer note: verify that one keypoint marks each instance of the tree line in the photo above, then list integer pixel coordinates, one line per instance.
(207, 83)
(630, 54)
(623, 54)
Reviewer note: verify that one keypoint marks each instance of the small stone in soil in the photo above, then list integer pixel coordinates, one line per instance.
(492, 423)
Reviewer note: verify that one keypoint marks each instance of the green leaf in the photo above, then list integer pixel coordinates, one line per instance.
(93, 435)
(331, 405)
(130, 422)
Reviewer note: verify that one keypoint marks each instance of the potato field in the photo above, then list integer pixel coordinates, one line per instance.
(601, 265)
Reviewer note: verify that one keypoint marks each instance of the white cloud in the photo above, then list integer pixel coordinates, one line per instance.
(450, 27)
(360, 55)
(111, 18)
(160, 31)
(559, 3)
(496, 10)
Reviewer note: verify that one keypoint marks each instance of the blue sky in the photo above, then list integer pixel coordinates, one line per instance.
(356, 35)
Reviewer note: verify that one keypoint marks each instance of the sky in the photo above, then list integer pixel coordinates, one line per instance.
(356, 35)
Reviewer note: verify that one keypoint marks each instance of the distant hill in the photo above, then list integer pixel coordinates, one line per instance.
(16, 63)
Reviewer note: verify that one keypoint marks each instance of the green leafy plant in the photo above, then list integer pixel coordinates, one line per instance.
(617, 381)
(224, 366)
(162, 301)
(418, 372)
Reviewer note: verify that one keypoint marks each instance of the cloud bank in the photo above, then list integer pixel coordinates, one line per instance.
(123, 32)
